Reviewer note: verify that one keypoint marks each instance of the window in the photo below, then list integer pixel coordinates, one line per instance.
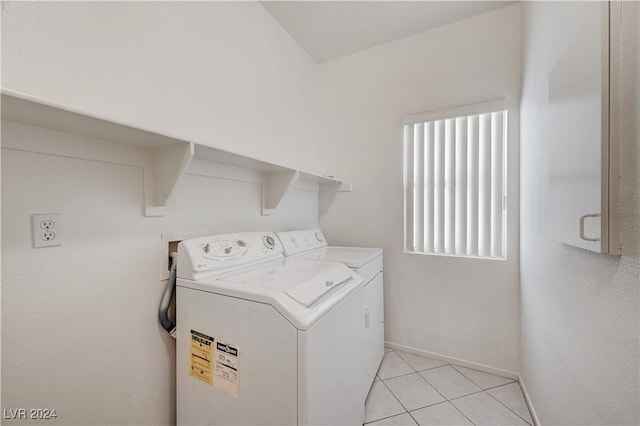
(455, 181)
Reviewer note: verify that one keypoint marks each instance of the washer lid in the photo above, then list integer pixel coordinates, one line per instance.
(353, 257)
(305, 282)
(311, 291)
(302, 290)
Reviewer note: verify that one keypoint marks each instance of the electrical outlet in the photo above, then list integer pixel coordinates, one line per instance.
(45, 230)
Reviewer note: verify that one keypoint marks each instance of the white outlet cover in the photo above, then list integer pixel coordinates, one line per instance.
(46, 230)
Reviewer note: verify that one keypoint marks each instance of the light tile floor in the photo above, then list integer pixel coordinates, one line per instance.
(416, 390)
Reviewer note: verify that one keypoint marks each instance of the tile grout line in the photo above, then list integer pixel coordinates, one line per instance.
(463, 396)
(494, 387)
(426, 381)
(438, 403)
(463, 414)
(391, 392)
(434, 388)
(445, 398)
(426, 369)
(459, 410)
(384, 418)
(413, 418)
(481, 389)
(471, 380)
(451, 365)
(395, 377)
(499, 386)
(403, 360)
(410, 366)
(529, 409)
(526, 402)
(500, 402)
(399, 402)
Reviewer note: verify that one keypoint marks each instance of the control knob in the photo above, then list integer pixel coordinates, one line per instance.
(269, 242)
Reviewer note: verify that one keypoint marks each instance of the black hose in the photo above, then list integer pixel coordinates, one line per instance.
(163, 315)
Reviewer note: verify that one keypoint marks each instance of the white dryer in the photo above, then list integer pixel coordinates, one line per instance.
(366, 262)
(264, 339)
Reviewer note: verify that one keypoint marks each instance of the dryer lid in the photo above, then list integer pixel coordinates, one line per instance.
(353, 257)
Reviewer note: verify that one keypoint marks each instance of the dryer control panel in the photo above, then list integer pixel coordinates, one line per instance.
(222, 253)
(294, 242)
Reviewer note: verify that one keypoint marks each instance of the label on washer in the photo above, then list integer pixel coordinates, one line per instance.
(201, 365)
(227, 369)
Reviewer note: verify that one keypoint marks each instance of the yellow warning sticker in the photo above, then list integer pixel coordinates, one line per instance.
(201, 365)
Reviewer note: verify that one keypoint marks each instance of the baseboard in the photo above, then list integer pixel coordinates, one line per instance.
(457, 361)
(536, 420)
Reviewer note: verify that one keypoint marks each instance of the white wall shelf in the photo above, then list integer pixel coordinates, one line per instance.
(164, 159)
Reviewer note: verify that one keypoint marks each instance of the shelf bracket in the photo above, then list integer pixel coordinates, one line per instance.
(275, 186)
(335, 186)
(169, 163)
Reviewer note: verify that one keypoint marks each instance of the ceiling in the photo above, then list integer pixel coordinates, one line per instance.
(330, 29)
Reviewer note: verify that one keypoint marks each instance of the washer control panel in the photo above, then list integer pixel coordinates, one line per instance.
(222, 252)
(295, 242)
(224, 248)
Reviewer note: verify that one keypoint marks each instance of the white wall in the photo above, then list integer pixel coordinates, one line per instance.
(79, 322)
(223, 73)
(580, 321)
(456, 307)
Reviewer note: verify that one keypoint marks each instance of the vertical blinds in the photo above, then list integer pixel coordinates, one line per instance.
(455, 181)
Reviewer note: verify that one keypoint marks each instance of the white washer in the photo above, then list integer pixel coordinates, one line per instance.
(366, 262)
(264, 339)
